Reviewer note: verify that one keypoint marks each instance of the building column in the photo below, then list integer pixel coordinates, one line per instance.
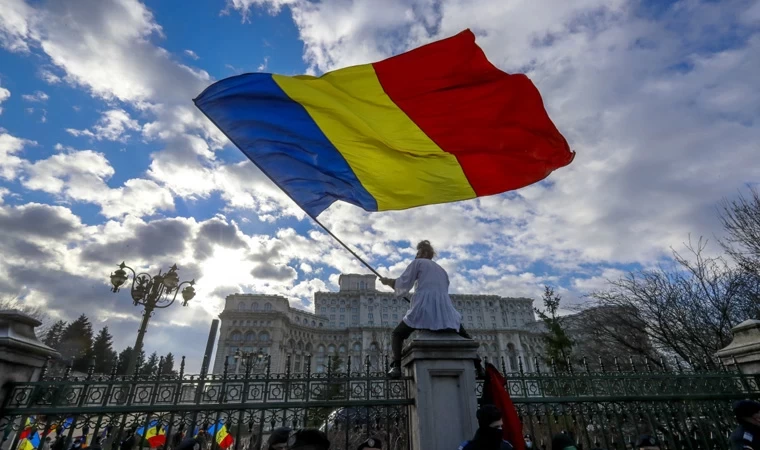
(744, 349)
(441, 364)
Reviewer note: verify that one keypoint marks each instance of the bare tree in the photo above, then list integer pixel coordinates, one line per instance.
(34, 311)
(741, 220)
(687, 310)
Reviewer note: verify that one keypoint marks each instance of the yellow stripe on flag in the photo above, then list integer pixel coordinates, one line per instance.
(393, 159)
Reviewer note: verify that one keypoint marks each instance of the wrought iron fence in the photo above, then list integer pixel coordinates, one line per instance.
(685, 409)
(601, 408)
(104, 411)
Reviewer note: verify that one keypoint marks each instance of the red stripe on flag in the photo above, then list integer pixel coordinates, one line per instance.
(495, 394)
(493, 122)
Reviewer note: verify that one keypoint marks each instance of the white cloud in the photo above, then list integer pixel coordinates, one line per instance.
(5, 94)
(263, 66)
(10, 163)
(192, 54)
(245, 6)
(112, 126)
(15, 27)
(49, 76)
(81, 176)
(37, 97)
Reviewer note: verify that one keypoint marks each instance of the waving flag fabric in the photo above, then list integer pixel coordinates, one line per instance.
(31, 442)
(156, 434)
(494, 393)
(436, 124)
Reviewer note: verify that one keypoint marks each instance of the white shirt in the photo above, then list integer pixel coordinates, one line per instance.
(431, 307)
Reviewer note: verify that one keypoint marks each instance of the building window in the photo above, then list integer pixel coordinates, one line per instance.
(267, 307)
(395, 317)
(332, 316)
(343, 324)
(370, 316)
(342, 309)
(355, 318)
(236, 336)
(264, 336)
(255, 306)
(342, 317)
(370, 323)
(385, 316)
(241, 306)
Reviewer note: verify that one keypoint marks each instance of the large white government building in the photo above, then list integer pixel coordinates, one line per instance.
(356, 322)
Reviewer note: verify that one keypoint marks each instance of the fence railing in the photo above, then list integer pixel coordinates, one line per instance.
(600, 408)
(103, 411)
(685, 409)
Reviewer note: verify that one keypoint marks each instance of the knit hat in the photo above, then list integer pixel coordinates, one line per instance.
(746, 408)
(487, 415)
(278, 436)
(302, 438)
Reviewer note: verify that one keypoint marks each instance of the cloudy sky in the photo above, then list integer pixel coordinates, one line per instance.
(104, 158)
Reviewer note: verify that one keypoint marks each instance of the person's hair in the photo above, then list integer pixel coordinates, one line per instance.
(426, 249)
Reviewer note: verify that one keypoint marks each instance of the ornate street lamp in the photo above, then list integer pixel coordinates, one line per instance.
(254, 359)
(152, 292)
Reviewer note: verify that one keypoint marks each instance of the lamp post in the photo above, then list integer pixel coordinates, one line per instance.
(153, 292)
(255, 362)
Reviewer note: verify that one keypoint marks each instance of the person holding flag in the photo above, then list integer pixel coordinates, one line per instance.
(431, 306)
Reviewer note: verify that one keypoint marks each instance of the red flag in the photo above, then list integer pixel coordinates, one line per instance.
(495, 394)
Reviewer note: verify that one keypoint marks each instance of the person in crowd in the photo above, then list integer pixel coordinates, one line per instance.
(371, 444)
(197, 442)
(131, 439)
(431, 307)
(563, 441)
(528, 441)
(278, 439)
(647, 442)
(59, 443)
(46, 443)
(308, 439)
(747, 433)
(489, 433)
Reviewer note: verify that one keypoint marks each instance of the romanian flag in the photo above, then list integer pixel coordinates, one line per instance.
(156, 434)
(495, 394)
(222, 437)
(27, 427)
(436, 124)
(30, 443)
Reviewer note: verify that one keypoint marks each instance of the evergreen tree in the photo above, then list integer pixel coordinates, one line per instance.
(124, 356)
(333, 390)
(103, 352)
(558, 343)
(151, 366)
(53, 336)
(76, 343)
(168, 367)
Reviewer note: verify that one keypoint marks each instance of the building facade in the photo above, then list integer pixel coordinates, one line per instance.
(356, 322)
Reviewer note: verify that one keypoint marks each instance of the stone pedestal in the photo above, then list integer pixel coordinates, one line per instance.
(22, 355)
(744, 350)
(443, 415)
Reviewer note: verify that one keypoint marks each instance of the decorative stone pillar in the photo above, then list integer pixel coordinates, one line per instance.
(443, 415)
(744, 349)
(22, 355)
